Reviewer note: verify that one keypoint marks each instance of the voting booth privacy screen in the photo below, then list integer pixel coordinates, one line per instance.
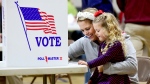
(35, 33)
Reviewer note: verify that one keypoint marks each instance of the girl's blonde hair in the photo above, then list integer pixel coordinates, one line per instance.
(111, 25)
(90, 10)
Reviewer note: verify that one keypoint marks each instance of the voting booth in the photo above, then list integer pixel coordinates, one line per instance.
(35, 33)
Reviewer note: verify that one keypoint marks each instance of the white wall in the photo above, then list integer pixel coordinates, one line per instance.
(77, 3)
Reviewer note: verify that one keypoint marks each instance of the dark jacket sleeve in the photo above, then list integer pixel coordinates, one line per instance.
(84, 4)
(121, 5)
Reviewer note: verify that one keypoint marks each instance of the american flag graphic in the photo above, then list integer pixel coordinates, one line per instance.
(35, 19)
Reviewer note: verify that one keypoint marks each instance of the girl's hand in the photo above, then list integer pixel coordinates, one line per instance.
(81, 62)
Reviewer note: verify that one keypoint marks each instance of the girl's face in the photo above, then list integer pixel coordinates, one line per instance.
(100, 31)
(88, 30)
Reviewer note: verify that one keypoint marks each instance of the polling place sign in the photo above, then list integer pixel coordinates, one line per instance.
(35, 33)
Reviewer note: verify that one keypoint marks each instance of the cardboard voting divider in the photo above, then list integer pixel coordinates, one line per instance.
(35, 33)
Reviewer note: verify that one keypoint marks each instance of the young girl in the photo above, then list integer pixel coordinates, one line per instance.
(112, 49)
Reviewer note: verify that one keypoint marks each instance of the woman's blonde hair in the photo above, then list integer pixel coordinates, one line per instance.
(90, 10)
(111, 25)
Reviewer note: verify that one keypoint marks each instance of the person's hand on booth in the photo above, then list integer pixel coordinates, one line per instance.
(81, 62)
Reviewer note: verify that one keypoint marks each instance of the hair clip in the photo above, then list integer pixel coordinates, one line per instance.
(97, 13)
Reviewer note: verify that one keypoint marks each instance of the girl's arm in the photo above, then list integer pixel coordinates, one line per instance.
(103, 59)
(129, 66)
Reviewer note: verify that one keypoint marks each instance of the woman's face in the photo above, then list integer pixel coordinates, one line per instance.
(88, 30)
(100, 31)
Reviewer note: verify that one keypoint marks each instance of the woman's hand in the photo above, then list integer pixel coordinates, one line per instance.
(100, 68)
(81, 62)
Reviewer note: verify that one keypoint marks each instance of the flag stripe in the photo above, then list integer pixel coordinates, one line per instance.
(38, 26)
(30, 28)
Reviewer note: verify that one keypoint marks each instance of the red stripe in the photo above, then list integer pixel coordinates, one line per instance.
(49, 18)
(50, 15)
(54, 33)
(52, 27)
(38, 29)
(52, 24)
(35, 22)
(43, 12)
(51, 21)
(45, 15)
(37, 26)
